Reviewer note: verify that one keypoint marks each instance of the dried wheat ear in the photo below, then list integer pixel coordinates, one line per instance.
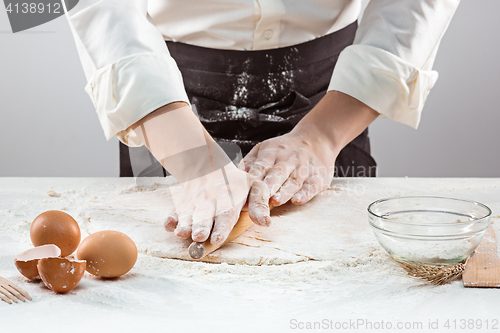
(434, 274)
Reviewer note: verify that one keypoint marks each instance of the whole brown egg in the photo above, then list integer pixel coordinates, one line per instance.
(108, 253)
(58, 228)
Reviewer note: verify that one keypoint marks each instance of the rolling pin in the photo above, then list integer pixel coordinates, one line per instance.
(198, 250)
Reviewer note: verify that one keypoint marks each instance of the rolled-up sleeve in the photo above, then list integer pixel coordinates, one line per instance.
(129, 70)
(389, 65)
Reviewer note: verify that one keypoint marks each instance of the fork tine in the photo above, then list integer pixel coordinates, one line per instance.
(21, 291)
(8, 294)
(12, 289)
(5, 299)
(14, 292)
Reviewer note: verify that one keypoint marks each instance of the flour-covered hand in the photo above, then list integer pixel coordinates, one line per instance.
(294, 166)
(300, 164)
(210, 206)
(213, 189)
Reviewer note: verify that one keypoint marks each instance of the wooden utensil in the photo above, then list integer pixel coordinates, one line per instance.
(200, 250)
(483, 267)
(9, 292)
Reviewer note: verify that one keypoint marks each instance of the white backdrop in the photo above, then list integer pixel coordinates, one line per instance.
(49, 126)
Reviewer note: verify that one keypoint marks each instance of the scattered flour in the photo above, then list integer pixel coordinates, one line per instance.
(358, 281)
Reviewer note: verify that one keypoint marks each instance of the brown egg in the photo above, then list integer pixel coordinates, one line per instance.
(108, 253)
(55, 227)
(27, 261)
(61, 274)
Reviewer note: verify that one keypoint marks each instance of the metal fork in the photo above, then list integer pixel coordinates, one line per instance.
(9, 292)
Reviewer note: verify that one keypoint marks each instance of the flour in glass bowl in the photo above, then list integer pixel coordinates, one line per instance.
(432, 246)
(428, 250)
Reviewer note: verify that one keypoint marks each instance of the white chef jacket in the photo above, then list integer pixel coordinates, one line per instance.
(130, 73)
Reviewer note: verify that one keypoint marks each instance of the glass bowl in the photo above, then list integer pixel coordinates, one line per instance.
(428, 230)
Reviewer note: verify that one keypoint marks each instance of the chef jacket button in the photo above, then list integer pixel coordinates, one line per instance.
(268, 34)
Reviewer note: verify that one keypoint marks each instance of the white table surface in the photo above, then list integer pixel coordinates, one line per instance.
(178, 296)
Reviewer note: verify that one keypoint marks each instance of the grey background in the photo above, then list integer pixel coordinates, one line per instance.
(49, 126)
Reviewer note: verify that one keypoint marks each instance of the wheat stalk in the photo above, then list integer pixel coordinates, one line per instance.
(434, 274)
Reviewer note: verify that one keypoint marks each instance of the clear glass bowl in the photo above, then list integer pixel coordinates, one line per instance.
(428, 230)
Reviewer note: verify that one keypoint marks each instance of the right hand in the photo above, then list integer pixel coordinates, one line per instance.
(209, 206)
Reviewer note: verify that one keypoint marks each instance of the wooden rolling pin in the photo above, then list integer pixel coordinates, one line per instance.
(199, 250)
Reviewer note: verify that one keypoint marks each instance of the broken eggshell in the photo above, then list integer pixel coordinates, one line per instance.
(61, 274)
(27, 261)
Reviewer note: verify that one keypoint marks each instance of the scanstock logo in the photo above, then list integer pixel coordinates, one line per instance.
(26, 14)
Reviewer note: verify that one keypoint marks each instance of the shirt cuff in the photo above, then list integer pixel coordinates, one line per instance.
(386, 83)
(129, 89)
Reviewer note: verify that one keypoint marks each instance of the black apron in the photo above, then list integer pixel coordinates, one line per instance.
(246, 97)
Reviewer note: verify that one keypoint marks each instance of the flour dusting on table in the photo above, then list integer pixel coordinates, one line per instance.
(347, 275)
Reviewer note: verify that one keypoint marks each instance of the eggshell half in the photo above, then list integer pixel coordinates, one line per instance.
(27, 261)
(61, 274)
(55, 227)
(108, 253)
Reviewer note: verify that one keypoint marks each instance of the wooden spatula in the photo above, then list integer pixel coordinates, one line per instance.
(483, 267)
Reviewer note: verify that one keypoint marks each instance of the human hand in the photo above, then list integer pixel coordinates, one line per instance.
(213, 189)
(295, 166)
(209, 206)
(300, 164)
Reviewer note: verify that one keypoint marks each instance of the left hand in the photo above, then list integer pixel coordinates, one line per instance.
(300, 164)
(296, 166)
